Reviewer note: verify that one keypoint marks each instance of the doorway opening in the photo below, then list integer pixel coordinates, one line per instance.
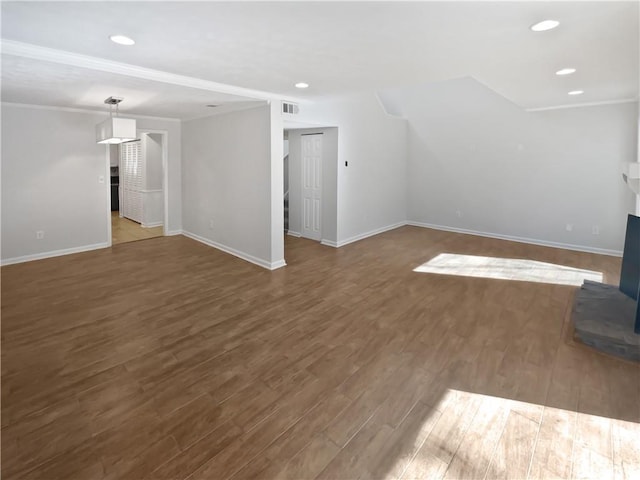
(138, 192)
(311, 185)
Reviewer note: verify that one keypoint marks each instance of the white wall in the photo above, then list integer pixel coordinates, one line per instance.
(227, 182)
(152, 196)
(152, 211)
(153, 161)
(515, 173)
(371, 193)
(276, 186)
(329, 206)
(114, 155)
(50, 170)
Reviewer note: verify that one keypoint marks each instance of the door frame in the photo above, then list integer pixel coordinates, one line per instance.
(107, 176)
(165, 175)
(330, 173)
(165, 181)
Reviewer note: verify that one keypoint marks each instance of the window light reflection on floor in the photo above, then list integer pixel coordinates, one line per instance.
(551, 442)
(507, 269)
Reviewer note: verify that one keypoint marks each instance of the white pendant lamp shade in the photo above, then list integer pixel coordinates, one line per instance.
(116, 130)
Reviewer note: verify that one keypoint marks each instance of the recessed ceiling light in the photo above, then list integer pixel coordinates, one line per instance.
(544, 25)
(122, 40)
(576, 92)
(566, 71)
(302, 85)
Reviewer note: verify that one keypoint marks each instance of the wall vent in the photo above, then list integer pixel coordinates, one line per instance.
(290, 108)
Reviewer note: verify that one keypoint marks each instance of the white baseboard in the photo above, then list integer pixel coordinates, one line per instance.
(362, 236)
(532, 241)
(294, 234)
(329, 243)
(151, 225)
(236, 253)
(54, 253)
(278, 264)
(170, 233)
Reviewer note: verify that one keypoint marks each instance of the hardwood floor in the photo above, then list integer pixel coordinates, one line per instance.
(124, 230)
(167, 359)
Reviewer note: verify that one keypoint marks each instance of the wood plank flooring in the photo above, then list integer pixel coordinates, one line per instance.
(124, 230)
(167, 359)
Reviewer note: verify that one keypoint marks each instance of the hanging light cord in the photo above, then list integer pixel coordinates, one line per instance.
(111, 110)
(111, 104)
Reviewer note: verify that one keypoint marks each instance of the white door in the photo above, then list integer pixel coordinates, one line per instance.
(311, 186)
(131, 177)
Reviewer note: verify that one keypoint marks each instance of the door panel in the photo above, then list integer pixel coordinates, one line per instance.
(307, 214)
(312, 186)
(316, 214)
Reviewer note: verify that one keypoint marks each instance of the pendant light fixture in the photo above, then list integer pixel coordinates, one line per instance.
(115, 129)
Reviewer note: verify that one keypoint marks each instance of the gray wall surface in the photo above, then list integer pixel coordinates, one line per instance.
(51, 166)
(480, 163)
(226, 180)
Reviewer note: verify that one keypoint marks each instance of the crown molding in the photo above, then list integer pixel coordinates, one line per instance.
(586, 104)
(36, 52)
(228, 108)
(85, 110)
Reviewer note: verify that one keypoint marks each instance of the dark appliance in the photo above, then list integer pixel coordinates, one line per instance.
(115, 187)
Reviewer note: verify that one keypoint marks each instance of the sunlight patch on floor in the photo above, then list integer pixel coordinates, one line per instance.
(472, 435)
(507, 269)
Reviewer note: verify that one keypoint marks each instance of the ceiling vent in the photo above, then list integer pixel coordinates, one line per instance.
(290, 108)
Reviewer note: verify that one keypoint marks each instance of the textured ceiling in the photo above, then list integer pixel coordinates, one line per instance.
(337, 47)
(45, 83)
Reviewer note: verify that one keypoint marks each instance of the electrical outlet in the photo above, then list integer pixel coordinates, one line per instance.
(459, 213)
(595, 230)
(569, 227)
(40, 234)
(101, 179)
(211, 224)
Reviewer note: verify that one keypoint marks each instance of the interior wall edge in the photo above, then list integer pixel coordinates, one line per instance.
(236, 253)
(362, 236)
(88, 111)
